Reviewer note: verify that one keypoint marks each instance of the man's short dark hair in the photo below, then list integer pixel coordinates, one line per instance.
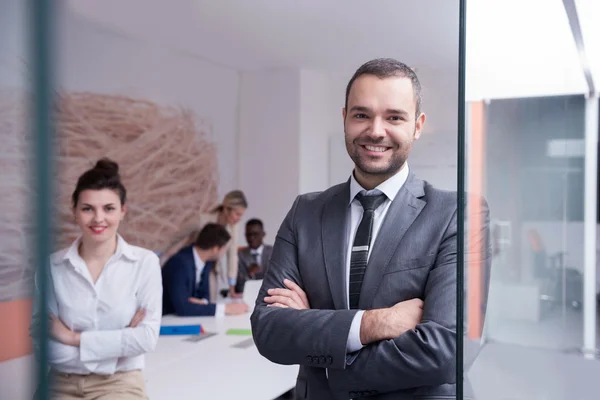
(212, 235)
(255, 221)
(387, 68)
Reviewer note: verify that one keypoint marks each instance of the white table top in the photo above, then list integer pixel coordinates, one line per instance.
(211, 368)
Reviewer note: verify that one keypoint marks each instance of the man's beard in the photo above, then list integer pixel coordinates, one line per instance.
(394, 165)
(398, 157)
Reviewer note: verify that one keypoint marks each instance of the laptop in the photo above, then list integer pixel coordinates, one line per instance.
(251, 289)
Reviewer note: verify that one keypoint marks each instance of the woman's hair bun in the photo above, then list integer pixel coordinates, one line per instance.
(107, 166)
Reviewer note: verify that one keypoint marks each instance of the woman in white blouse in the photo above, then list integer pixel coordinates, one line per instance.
(105, 298)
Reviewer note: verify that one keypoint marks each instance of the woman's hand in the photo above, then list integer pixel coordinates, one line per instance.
(62, 334)
(137, 318)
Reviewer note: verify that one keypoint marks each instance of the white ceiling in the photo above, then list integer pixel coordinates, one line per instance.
(589, 18)
(515, 48)
(258, 34)
(521, 48)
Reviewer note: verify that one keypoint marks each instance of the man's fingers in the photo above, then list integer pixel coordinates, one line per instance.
(294, 296)
(297, 289)
(280, 292)
(293, 286)
(281, 300)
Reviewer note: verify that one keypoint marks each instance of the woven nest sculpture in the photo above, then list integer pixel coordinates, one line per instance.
(16, 197)
(167, 162)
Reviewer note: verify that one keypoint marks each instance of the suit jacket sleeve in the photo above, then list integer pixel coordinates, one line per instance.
(309, 337)
(425, 356)
(179, 291)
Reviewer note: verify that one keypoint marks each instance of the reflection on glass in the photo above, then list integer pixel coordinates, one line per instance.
(526, 153)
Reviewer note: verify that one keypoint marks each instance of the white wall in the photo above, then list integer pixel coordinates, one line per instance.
(434, 156)
(92, 58)
(318, 110)
(269, 132)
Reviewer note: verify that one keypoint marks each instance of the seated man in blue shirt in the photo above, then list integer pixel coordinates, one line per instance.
(186, 280)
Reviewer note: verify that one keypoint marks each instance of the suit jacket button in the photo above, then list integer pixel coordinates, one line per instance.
(329, 360)
(309, 359)
(353, 394)
(322, 360)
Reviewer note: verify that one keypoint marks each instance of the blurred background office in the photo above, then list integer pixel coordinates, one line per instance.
(198, 98)
(533, 74)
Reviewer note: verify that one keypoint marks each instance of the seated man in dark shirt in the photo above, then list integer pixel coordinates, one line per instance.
(186, 277)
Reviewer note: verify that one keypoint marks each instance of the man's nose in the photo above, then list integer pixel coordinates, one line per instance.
(377, 129)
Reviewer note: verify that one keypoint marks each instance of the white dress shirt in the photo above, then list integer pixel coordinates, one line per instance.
(258, 251)
(130, 280)
(390, 188)
(220, 310)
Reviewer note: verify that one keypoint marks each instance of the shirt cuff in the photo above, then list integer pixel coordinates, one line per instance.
(354, 344)
(100, 345)
(232, 281)
(220, 310)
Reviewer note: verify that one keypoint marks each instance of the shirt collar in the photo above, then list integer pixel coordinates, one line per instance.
(197, 260)
(390, 187)
(123, 249)
(258, 251)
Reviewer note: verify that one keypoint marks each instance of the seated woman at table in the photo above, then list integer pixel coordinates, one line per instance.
(104, 299)
(186, 276)
(228, 213)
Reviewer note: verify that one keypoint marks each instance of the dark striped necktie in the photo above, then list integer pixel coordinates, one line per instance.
(362, 241)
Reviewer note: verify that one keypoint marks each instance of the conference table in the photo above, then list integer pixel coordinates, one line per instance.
(211, 368)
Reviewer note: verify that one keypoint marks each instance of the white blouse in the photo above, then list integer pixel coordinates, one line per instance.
(130, 280)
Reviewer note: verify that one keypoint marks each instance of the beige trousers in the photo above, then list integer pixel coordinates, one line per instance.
(120, 386)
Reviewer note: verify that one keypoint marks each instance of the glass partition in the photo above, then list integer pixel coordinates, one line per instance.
(525, 153)
(25, 187)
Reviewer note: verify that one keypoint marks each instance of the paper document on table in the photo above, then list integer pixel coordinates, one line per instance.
(244, 344)
(197, 338)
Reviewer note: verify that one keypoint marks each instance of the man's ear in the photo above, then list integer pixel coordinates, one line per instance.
(419, 125)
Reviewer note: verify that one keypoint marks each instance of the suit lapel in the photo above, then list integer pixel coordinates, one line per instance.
(333, 230)
(403, 211)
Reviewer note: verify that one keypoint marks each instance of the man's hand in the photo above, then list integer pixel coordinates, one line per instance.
(389, 323)
(62, 334)
(236, 308)
(137, 318)
(195, 300)
(253, 269)
(294, 297)
(233, 294)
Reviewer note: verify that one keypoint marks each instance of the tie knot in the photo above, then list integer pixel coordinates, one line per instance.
(370, 201)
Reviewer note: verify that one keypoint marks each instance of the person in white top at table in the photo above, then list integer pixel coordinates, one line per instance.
(105, 299)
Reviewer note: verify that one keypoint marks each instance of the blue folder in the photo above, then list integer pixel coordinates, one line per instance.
(180, 330)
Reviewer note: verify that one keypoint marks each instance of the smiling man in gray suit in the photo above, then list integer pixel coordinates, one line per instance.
(361, 287)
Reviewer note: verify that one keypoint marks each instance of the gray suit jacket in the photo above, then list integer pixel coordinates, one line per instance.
(244, 262)
(414, 255)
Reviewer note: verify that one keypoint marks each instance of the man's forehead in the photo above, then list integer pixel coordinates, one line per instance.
(394, 92)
